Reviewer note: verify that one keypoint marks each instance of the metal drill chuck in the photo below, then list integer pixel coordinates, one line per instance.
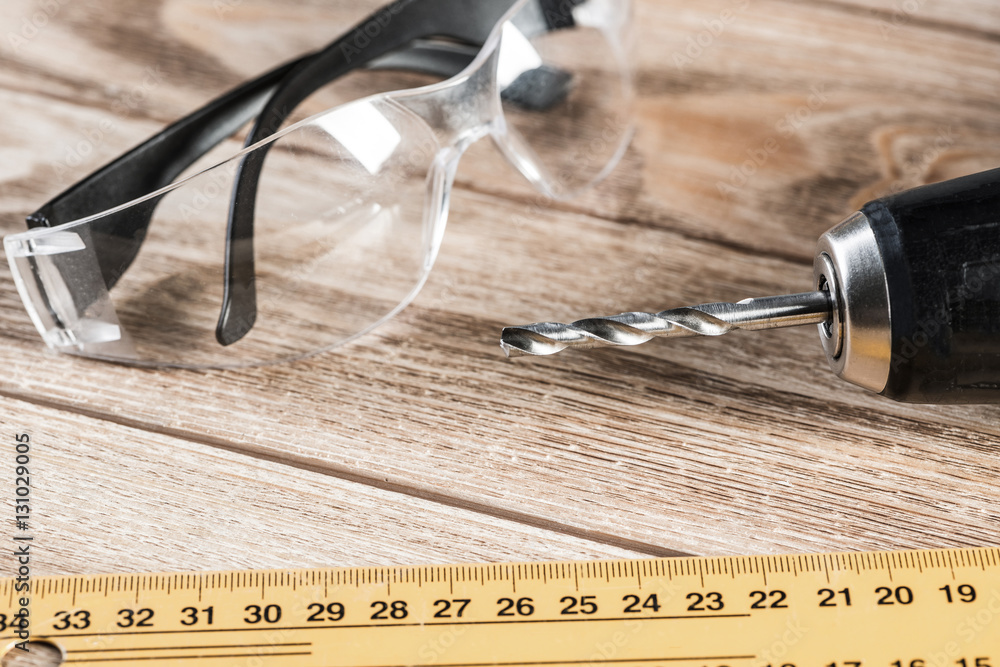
(857, 337)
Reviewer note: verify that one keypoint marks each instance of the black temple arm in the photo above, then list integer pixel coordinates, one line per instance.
(151, 166)
(410, 20)
(158, 161)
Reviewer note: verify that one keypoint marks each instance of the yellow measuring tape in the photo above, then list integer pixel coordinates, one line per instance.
(896, 609)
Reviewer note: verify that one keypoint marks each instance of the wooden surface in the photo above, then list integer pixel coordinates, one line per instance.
(409, 446)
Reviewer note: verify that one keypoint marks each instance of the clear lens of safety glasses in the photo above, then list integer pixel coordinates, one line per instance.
(567, 92)
(343, 239)
(350, 206)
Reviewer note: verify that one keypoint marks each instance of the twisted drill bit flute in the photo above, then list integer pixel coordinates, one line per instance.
(711, 319)
(907, 299)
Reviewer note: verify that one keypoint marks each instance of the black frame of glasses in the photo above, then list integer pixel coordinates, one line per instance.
(404, 40)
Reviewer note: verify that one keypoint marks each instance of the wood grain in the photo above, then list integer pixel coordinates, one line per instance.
(115, 499)
(420, 442)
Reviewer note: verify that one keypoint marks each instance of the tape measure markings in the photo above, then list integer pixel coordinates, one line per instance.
(982, 557)
(833, 610)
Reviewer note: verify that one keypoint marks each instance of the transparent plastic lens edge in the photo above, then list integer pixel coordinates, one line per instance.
(351, 206)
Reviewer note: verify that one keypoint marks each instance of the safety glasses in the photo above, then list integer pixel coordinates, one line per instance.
(316, 234)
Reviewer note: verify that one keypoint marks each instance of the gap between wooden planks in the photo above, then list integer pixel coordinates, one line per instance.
(728, 446)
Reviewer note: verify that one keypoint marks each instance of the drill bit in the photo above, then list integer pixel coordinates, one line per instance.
(907, 299)
(711, 319)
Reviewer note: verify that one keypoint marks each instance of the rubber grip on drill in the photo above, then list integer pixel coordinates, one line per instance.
(940, 248)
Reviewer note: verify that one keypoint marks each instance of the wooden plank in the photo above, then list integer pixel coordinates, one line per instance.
(843, 108)
(979, 17)
(744, 444)
(109, 498)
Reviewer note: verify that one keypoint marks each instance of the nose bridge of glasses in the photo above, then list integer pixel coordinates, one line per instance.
(398, 25)
(460, 110)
